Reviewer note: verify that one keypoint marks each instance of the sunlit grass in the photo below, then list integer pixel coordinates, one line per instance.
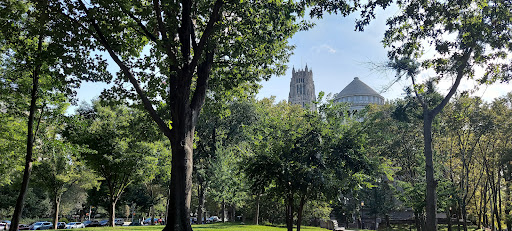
(208, 227)
(238, 227)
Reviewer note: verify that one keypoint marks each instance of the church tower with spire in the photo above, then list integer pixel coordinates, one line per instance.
(302, 88)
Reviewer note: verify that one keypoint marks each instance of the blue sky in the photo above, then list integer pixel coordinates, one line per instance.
(336, 54)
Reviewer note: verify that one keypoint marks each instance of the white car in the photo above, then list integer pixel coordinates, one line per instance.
(4, 225)
(75, 225)
(41, 225)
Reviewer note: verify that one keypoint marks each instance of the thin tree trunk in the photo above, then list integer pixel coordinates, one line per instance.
(417, 221)
(464, 216)
(485, 219)
(299, 211)
(152, 214)
(431, 222)
(200, 207)
(289, 212)
(56, 206)
(498, 188)
(507, 204)
(479, 221)
(233, 215)
(112, 213)
(223, 211)
(458, 216)
(257, 212)
(18, 210)
(167, 205)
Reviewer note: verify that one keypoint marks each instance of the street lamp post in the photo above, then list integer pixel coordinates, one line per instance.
(362, 223)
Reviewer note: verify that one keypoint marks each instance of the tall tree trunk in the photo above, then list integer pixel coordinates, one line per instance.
(112, 213)
(223, 211)
(257, 212)
(182, 162)
(498, 188)
(289, 212)
(464, 216)
(56, 206)
(479, 221)
(18, 210)
(508, 204)
(167, 204)
(233, 215)
(299, 211)
(200, 207)
(485, 220)
(458, 216)
(431, 222)
(417, 221)
(152, 214)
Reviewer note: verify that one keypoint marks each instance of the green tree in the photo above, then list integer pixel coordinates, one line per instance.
(465, 37)
(110, 131)
(39, 62)
(307, 156)
(191, 45)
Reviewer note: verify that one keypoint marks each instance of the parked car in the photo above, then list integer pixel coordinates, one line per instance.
(4, 225)
(104, 222)
(148, 221)
(23, 227)
(135, 223)
(214, 219)
(93, 223)
(61, 225)
(119, 221)
(40, 225)
(75, 225)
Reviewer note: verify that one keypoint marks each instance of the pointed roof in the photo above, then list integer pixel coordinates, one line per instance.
(357, 87)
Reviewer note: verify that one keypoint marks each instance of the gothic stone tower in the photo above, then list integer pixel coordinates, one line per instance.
(302, 88)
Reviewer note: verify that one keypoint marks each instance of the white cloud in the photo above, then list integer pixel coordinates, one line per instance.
(323, 48)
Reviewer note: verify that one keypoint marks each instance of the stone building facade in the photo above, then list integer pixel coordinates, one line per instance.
(302, 88)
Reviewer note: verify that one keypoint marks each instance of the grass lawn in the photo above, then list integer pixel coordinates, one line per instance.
(207, 227)
(237, 227)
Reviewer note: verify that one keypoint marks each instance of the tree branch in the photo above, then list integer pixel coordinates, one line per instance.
(418, 96)
(214, 17)
(163, 31)
(203, 74)
(139, 23)
(145, 101)
(460, 74)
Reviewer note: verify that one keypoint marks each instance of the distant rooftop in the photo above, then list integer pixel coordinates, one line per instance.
(357, 87)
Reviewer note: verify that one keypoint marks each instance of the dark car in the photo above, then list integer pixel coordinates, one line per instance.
(104, 222)
(23, 227)
(135, 223)
(92, 223)
(61, 225)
